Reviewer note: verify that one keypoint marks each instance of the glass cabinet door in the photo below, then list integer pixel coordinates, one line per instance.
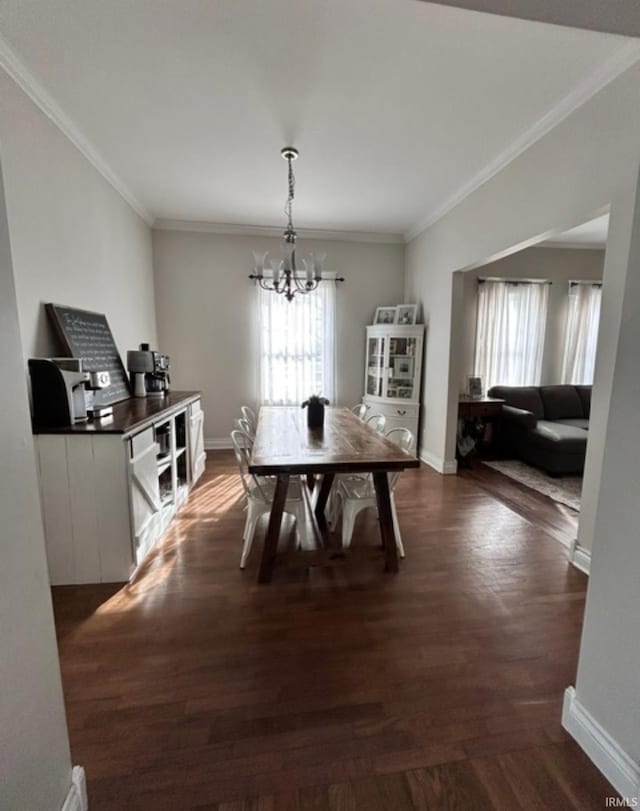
(402, 371)
(375, 366)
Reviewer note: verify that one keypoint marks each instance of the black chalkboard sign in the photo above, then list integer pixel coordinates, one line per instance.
(87, 335)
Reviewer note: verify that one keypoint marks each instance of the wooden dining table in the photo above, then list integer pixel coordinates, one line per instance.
(284, 446)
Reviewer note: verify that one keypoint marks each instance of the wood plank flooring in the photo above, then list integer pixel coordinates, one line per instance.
(555, 519)
(336, 687)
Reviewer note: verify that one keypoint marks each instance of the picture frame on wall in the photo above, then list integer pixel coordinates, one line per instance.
(385, 315)
(406, 314)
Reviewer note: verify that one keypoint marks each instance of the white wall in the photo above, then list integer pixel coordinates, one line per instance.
(565, 178)
(559, 266)
(206, 309)
(589, 160)
(74, 239)
(608, 681)
(35, 765)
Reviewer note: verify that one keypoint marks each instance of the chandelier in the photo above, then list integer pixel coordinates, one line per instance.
(285, 276)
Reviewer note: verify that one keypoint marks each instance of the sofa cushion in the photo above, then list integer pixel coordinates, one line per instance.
(519, 417)
(561, 402)
(584, 393)
(579, 422)
(524, 397)
(563, 438)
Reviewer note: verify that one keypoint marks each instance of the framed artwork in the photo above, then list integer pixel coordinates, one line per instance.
(406, 314)
(404, 392)
(474, 386)
(403, 368)
(385, 315)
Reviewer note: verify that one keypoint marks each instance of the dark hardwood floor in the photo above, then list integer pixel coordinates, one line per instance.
(336, 687)
(553, 518)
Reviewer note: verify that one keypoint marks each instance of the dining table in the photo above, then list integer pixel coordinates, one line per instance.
(285, 446)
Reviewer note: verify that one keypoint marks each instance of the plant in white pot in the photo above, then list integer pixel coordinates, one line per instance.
(315, 410)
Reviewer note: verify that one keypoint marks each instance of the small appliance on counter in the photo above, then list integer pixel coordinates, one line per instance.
(149, 371)
(62, 392)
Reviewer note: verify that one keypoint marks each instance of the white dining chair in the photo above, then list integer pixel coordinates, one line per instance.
(243, 424)
(360, 410)
(377, 422)
(250, 416)
(259, 496)
(354, 495)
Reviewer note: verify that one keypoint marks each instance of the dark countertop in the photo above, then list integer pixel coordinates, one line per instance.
(129, 415)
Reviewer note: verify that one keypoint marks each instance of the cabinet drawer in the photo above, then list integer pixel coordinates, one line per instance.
(394, 410)
(140, 442)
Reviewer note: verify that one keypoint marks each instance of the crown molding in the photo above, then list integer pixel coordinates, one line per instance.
(20, 74)
(162, 224)
(606, 73)
(26, 81)
(572, 246)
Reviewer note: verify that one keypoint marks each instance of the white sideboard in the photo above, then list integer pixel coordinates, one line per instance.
(110, 489)
(392, 375)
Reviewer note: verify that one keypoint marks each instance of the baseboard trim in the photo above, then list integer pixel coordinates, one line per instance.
(444, 466)
(580, 557)
(606, 753)
(76, 799)
(217, 444)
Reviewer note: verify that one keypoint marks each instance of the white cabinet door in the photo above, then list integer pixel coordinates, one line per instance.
(197, 454)
(377, 363)
(145, 492)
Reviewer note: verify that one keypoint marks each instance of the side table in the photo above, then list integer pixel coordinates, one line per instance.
(476, 418)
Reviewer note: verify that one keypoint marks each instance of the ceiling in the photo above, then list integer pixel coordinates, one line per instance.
(399, 108)
(617, 17)
(592, 234)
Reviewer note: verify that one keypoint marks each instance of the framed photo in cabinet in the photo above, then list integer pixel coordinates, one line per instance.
(403, 368)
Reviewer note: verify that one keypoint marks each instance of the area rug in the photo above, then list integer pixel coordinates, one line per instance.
(564, 489)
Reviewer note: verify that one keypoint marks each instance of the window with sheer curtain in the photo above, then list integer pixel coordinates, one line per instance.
(581, 337)
(297, 346)
(510, 332)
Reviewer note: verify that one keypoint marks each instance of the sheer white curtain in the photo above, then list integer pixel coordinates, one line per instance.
(581, 338)
(510, 332)
(297, 346)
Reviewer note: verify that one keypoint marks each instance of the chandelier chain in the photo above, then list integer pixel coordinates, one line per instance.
(286, 279)
(288, 208)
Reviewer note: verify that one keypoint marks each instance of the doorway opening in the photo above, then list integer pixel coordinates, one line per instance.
(523, 364)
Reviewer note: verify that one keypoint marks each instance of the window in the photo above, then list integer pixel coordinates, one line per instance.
(581, 338)
(297, 346)
(510, 332)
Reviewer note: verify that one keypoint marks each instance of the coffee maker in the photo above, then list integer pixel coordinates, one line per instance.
(62, 392)
(149, 371)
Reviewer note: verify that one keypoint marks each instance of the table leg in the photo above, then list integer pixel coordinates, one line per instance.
(273, 531)
(386, 520)
(323, 497)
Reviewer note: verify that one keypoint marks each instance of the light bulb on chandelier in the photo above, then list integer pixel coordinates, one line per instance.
(286, 277)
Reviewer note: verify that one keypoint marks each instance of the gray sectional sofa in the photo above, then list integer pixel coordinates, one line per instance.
(545, 426)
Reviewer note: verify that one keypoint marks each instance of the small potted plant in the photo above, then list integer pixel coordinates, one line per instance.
(315, 410)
